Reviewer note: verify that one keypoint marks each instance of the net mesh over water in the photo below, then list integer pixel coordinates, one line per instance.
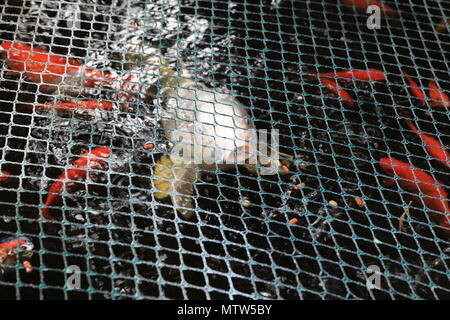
(239, 243)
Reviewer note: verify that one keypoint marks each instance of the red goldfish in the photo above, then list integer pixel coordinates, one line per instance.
(433, 146)
(16, 243)
(362, 5)
(415, 89)
(12, 247)
(334, 87)
(88, 160)
(439, 98)
(443, 25)
(49, 70)
(69, 105)
(365, 75)
(416, 181)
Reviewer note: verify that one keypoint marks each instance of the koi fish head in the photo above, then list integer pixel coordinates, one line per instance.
(21, 243)
(95, 157)
(93, 77)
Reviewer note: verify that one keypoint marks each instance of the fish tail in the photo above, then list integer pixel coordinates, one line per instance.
(46, 213)
(334, 87)
(410, 124)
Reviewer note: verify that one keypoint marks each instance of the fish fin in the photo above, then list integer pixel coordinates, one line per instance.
(46, 213)
(183, 189)
(411, 126)
(174, 178)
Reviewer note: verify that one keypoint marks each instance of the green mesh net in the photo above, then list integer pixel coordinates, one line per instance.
(320, 230)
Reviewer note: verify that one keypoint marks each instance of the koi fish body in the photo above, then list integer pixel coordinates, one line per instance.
(80, 108)
(433, 146)
(415, 89)
(89, 160)
(431, 191)
(209, 130)
(335, 88)
(365, 75)
(50, 70)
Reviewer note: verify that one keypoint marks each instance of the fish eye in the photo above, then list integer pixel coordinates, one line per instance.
(26, 245)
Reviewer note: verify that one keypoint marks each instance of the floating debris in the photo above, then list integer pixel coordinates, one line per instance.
(299, 186)
(333, 203)
(27, 265)
(359, 202)
(5, 176)
(149, 146)
(246, 203)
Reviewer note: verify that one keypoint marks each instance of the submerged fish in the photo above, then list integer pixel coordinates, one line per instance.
(50, 70)
(209, 130)
(363, 5)
(365, 75)
(12, 248)
(432, 145)
(429, 190)
(95, 159)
